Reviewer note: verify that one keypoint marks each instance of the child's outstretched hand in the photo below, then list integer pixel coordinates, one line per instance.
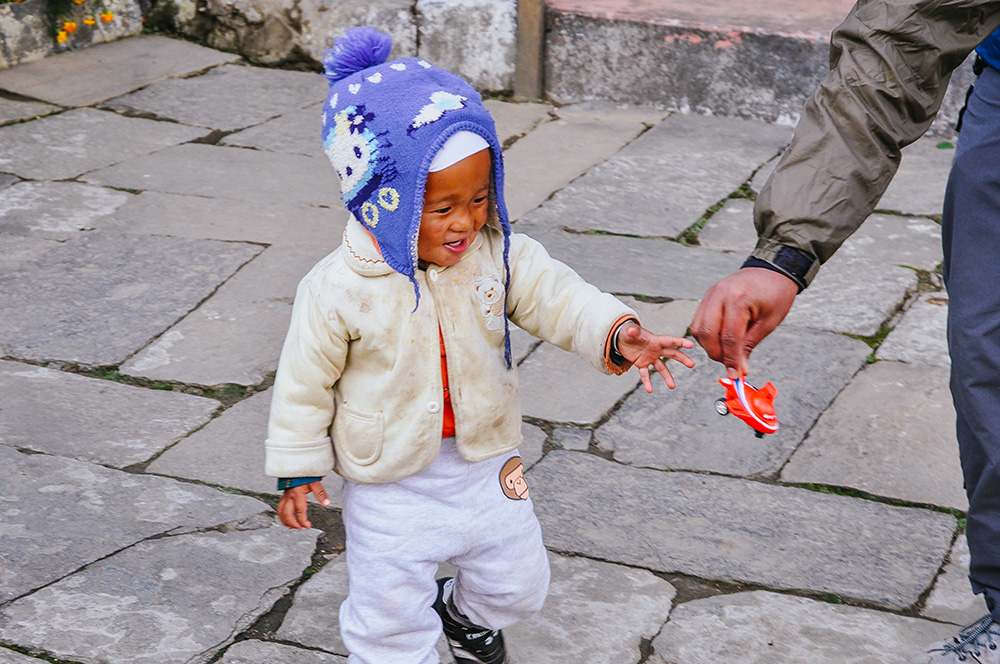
(293, 507)
(643, 349)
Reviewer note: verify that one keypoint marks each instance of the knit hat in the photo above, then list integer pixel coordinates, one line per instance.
(383, 124)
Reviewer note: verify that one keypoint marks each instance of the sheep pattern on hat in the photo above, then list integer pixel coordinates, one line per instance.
(383, 123)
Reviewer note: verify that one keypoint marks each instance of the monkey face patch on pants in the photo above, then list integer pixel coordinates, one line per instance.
(512, 480)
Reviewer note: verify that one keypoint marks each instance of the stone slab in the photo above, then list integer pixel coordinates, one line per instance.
(552, 381)
(852, 295)
(8, 180)
(248, 175)
(572, 439)
(12, 657)
(896, 240)
(273, 222)
(952, 599)
(521, 343)
(91, 419)
(268, 652)
(515, 120)
(890, 433)
(60, 515)
(296, 132)
(313, 619)
(198, 591)
(731, 228)
(532, 445)
(595, 612)
(650, 267)
(96, 299)
(82, 78)
(765, 628)
(18, 251)
(735, 530)
(671, 318)
(919, 184)
(66, 145)
(238, 434)
(56, 208)
(762, 175)
(921, 335)
(680, 429)
(665, 180)
(476, 40)
(235, 336)
(555, 153)
(15, 111)
(228, 97)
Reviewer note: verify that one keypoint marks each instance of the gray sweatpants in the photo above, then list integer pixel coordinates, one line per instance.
(397, 533)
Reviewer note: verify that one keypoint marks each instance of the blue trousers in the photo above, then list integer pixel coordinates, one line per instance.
(971, 236)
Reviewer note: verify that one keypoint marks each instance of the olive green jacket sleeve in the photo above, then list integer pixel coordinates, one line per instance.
(890, 63)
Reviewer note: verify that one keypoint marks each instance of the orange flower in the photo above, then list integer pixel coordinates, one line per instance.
(89, 20)
(79, 2)
(69, 27)
(61, 36)
(107, 17)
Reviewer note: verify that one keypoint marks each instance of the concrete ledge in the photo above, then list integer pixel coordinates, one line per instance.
(714, 57)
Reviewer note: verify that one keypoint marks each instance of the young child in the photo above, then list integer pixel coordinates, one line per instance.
(396, 372)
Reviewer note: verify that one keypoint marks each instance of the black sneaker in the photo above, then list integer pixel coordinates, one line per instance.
(468, 643)
(977, 642)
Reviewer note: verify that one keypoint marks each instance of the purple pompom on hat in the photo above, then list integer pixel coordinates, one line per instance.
(383, 124)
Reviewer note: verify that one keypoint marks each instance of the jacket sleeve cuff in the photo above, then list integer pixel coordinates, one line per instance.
(292, 482)
(794, 263)
(617, 363)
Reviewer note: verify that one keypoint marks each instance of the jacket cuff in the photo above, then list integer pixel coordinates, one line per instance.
(794, 263)
(615, 360)
(292, 482)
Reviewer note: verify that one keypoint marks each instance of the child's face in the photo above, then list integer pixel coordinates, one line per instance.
(456, 202)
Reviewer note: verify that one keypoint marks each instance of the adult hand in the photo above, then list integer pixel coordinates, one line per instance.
(293, 507)
(738, 312)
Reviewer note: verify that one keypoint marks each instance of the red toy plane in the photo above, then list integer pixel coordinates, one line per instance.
(753, 406)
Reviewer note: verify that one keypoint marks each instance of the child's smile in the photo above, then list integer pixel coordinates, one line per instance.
(456, 204)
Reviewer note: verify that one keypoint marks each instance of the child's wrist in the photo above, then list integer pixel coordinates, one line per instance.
(614, 355)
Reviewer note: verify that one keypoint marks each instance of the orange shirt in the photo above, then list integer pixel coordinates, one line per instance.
(448, 427)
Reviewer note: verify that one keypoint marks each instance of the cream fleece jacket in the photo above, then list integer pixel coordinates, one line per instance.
(359, 386)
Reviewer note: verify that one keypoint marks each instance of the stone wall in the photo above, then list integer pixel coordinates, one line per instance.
(26, 31)
(296, 32)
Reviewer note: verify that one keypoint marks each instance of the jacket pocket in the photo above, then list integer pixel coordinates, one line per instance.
(358, 435)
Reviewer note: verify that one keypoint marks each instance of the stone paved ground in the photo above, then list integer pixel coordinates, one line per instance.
(152, 229)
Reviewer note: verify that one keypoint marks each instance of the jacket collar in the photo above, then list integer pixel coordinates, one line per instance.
(361, 253)
(364, 258)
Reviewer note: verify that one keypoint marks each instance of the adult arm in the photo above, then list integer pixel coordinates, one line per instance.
(890, 63)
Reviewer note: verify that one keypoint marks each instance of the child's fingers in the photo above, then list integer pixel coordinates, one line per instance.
(646, 383)
(293, 509)
(320, 493)
(682, 358)
(661, 368)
